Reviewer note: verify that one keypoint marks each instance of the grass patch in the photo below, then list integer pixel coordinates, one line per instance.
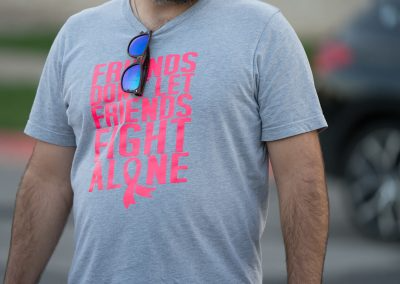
(15, 106)
(309, 47)
(38, 42)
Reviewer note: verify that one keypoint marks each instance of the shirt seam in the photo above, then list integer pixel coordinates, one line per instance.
(64, 32)
(255, 88)
(292, 123)
(51, 131)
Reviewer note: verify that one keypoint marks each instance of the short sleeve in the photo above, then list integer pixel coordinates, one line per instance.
(48, 119)
(286, 94)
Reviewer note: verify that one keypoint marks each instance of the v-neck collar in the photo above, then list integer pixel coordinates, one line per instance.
(133, 21)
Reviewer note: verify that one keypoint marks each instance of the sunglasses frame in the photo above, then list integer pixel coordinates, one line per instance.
(143, 60)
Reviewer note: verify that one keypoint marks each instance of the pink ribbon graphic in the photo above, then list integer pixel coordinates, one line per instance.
(133, 186)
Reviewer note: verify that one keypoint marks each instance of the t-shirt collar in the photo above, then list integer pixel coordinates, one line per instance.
(134, 22)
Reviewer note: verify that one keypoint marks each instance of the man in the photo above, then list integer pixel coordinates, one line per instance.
(171, 186)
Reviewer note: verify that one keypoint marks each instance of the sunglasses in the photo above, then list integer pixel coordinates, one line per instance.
(134, 77)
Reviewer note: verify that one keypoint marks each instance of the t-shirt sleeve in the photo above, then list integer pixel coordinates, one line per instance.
(48, 119)
(286, 94)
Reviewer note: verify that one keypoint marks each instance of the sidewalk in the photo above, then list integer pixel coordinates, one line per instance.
(20, 66)
(311, 18)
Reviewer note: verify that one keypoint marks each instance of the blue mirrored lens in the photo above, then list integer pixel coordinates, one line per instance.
(138, 45)
(131, 78)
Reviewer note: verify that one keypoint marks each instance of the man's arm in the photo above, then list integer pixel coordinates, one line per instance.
(43, 204)
(304, 206)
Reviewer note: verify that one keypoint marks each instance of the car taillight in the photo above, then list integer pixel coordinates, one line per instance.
(331, 57)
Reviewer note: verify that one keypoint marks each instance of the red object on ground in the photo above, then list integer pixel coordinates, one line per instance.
(15, 147)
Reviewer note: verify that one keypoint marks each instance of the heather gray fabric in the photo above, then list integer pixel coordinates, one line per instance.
(172, 187)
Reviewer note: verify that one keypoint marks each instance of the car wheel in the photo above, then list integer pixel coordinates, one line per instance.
(372, 175)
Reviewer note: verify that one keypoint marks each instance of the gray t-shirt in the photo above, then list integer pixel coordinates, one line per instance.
(172, 187)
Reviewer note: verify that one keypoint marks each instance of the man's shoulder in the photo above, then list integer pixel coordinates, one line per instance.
(254, 6)
(254, 10)
(89, 17)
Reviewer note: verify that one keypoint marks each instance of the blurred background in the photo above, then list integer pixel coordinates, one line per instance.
(354, 49)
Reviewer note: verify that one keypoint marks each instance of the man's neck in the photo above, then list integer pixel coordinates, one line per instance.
(153, 14)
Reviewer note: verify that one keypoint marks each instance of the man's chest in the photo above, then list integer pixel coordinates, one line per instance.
(183, 80)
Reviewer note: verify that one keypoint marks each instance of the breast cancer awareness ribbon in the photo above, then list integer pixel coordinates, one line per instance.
(132, 184)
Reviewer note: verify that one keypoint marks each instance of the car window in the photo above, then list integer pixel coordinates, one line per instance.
(389, 14)
(382, 17)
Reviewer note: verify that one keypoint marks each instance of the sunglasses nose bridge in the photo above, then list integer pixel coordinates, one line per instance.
(140, 59)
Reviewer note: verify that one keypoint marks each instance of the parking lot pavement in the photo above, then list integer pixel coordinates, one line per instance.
(350, 257)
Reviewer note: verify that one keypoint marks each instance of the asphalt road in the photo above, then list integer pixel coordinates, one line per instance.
(350, 258)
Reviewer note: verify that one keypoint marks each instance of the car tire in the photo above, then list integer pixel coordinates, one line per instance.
(372, 178)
